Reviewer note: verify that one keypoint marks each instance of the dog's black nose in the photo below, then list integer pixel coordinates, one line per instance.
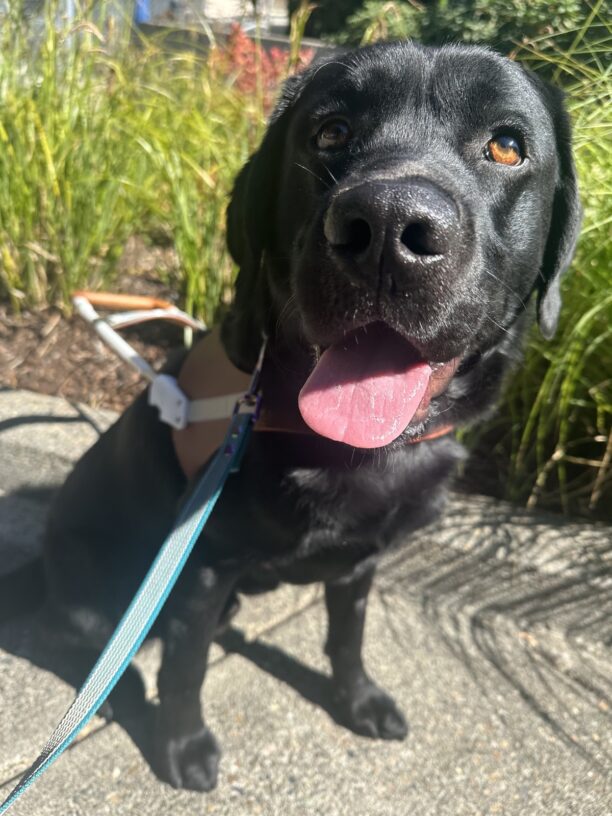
(401, 228)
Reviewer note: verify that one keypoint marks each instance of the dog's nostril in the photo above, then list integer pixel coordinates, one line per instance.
(419, 238)
(356, 236)
(360, 235)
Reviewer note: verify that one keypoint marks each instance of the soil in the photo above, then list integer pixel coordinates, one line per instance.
(59, 354)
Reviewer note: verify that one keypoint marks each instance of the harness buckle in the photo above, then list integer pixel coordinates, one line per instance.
(166, 395)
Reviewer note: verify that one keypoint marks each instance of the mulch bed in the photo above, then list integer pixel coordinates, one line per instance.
(53, 353)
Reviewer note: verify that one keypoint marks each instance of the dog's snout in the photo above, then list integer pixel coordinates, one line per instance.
(407, 227)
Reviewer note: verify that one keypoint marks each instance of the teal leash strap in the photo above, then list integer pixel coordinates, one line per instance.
(149, 599)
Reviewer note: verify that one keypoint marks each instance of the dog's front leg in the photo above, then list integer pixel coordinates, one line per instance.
(365, 707)
(187, 753)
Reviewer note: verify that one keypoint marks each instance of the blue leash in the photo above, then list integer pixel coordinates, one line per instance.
(148, 601)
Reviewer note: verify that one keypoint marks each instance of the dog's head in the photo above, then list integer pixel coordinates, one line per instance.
(402, 208)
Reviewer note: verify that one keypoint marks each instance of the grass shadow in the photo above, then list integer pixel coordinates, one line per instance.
(525, 602)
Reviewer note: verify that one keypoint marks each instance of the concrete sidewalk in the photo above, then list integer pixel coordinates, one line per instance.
(492, 629)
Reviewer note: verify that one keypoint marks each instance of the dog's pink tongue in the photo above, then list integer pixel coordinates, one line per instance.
(365, 390)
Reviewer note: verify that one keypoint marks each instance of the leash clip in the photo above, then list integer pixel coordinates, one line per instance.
(250, 403)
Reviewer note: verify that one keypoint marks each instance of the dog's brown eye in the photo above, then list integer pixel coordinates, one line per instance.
(504, 150)
(334, 133)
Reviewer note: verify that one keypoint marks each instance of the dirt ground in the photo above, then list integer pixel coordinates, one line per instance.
(52, 354)
(57, 354)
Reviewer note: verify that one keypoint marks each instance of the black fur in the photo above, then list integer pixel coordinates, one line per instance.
(310, 509)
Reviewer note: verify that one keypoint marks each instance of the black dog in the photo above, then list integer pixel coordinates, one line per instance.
(404, 205)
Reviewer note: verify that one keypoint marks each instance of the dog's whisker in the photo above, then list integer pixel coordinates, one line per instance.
(312, 173)
(509, 289)
(286, 313)
(499, 325)
(349, 68)
(290, 304)
(328, 171)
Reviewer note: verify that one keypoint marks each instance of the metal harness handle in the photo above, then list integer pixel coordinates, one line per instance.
(174, 407)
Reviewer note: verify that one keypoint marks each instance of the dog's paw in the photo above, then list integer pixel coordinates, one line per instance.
(190, 762)
(371, 712)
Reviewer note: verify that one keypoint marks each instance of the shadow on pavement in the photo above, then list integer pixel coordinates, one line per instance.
(525, 605)
(311, 684)
(50, 419)
(26, 632)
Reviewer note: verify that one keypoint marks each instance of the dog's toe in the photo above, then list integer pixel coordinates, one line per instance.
(190, 762)
(371, 712)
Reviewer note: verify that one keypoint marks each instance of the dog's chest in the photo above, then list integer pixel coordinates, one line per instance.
(305, 525)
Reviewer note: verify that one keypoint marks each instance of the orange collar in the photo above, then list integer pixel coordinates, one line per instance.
(264, 423)
(195, 444)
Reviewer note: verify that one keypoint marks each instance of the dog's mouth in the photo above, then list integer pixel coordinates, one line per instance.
(367, 388)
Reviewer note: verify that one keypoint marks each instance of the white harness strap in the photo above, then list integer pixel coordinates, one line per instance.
(206, 410)
(177, 410)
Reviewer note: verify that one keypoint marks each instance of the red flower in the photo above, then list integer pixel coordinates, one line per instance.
(252, 68)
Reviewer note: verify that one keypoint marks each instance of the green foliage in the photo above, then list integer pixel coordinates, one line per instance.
(194, 132)
(101, 140)
(328, 16)
(552, 439)
(503, 24)
(378, 20)
(61, 191)
(382, 20)
(499, 23)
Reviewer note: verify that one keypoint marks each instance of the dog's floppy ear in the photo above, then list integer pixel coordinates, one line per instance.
(250, 231)
(566, 216)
